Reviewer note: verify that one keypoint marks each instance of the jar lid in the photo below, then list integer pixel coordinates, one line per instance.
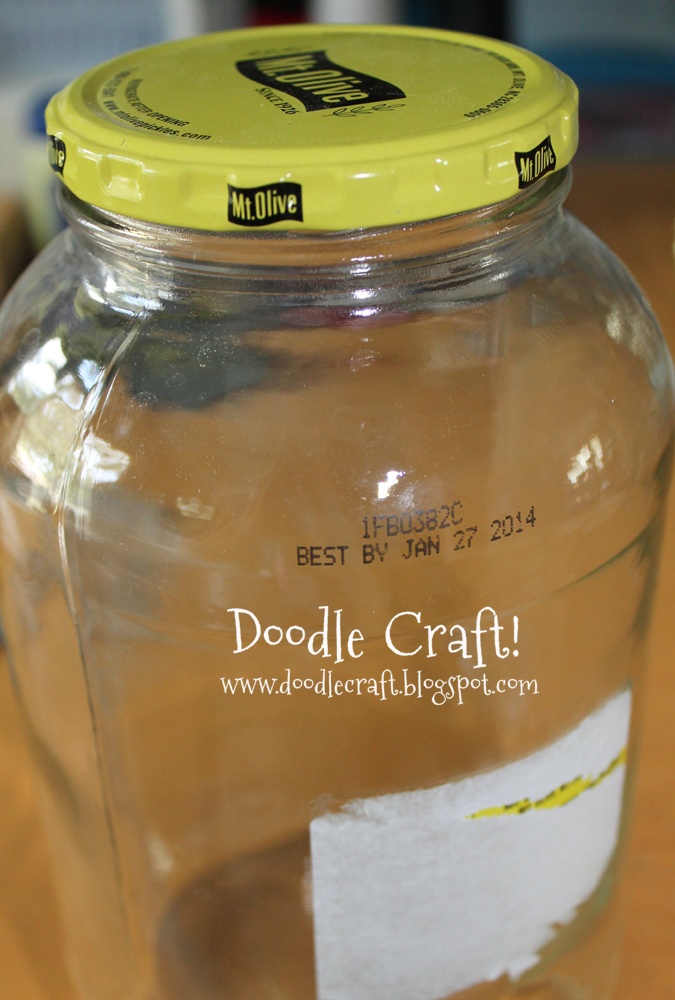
(310, 127)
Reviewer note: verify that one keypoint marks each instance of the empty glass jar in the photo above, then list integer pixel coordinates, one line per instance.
(334, 455)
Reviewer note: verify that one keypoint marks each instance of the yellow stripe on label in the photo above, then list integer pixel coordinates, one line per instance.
(558, 797)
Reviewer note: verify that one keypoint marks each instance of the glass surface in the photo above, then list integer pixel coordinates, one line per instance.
(459, 437)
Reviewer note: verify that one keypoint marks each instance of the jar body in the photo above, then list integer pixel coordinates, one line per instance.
(317, 582)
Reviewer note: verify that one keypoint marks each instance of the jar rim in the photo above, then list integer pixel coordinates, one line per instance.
(357, 250)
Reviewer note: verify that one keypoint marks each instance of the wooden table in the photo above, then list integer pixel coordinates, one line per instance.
(633, 209)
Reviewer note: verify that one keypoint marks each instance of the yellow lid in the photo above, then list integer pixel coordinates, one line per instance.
(312, 127)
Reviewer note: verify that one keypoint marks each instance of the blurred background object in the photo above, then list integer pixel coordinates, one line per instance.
(621, 54)
(485, 17)
(43, 45)
(356, 11)
(265, 12)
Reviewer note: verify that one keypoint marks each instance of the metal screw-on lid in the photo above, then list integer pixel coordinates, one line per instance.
(312, 127)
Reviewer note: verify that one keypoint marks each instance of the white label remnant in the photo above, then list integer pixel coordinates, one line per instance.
(420, 894)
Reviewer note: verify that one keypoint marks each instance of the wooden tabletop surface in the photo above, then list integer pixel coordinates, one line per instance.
(632, 207)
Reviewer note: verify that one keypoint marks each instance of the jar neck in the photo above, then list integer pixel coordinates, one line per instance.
(464, 240)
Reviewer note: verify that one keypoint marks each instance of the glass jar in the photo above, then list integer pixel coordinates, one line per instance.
(328, 553)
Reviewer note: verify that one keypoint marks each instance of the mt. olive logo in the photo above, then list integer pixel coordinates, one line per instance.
(260, 206)
(535, 163)
(316, 82)
(57, 153)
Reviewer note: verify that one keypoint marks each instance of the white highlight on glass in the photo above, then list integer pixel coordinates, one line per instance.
(386, 486)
